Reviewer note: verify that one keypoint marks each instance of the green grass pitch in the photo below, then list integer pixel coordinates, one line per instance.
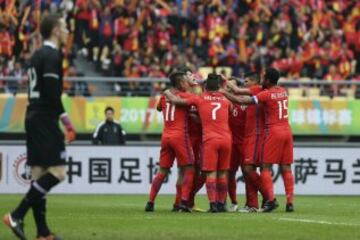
(83, 217)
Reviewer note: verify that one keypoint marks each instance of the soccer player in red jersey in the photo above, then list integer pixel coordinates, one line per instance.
(252, 142)
(195, 134)
(237, 126)
(278, 143)
(214, 111)
(175, 142)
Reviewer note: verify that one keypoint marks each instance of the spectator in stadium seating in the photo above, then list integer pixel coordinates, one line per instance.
(109, 132)
(18, 72)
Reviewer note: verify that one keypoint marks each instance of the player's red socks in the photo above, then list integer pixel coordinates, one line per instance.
(288, 179)
(178, 194)
(211, 189)
(222, 189)
(232, 187)
(267, 185)
(199, 182)
(188, 183)
(156, 185)
(255, 181)
(251, 193)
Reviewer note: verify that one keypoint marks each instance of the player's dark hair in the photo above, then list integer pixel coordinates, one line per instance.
(176, 78)
(213, 82)
(47, 25)
(254, 76)
(109, 109)
(272, 75)
(185, 69)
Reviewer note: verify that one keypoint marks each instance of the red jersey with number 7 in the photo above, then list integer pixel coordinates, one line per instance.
(275, 101)
(175, 117)
(214, 110)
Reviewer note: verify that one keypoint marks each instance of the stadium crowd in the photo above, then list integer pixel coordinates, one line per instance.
(136, 38)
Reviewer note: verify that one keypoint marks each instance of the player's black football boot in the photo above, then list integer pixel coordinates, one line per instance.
(270, 206)
(16, 225)
(221, 207)
(213, 207)
(149, 207)
(176, 208)
(184, 207)
(289, 207)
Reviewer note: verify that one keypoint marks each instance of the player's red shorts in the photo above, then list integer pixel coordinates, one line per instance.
(237, 156)
(178, 147)
(252, 149)
(278, 146)
(216, 154)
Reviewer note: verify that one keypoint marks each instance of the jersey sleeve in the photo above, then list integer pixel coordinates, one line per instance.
(52, 67)
(261, 97)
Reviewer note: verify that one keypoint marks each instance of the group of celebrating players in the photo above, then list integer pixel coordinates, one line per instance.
(214, 129)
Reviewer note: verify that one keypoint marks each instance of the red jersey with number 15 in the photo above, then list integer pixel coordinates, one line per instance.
(275, 101)
(175, 117)
(214, 111)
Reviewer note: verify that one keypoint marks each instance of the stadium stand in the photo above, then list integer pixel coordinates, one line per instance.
(123, 38)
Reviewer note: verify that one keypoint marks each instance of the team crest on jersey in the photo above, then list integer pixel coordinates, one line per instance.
(243, 107)
(21, 170)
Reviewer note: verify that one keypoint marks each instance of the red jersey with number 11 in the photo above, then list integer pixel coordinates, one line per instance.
(175, 117)
(275, 101)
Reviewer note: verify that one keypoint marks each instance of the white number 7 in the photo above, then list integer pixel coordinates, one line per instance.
(215, 109)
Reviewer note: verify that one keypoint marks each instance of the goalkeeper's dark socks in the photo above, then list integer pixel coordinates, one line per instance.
(39, 213)
(232, 188)
(222, 189)
(37, 191)
(267, 184)
(22, 209)
(211, 189)
(288, 179)
(156, 185)
(188, 183)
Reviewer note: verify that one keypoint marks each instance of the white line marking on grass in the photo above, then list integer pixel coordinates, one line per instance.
(318, 222)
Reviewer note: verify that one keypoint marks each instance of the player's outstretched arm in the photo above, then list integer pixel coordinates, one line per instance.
(235, 89)
(236, 98)
(175, 99)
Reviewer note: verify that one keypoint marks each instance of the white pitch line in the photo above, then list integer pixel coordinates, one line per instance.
(318, 222)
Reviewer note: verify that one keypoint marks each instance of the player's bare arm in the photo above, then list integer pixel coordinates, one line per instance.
(239, 99)
(175, 99)
(237, 90)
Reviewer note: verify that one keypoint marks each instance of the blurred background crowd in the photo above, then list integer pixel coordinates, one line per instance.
(314, 39)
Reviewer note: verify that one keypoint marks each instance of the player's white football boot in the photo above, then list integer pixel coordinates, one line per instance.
(233, 208)
(247, 209)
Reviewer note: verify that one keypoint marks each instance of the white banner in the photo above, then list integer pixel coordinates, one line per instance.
(99, 169)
